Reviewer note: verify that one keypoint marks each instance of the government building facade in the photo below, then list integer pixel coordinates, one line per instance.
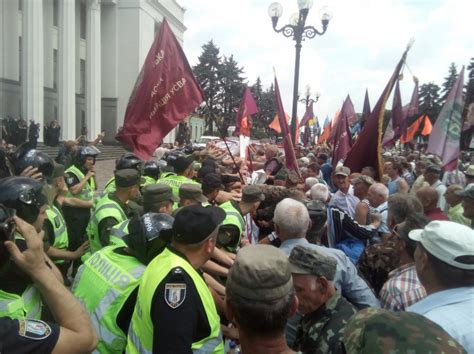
(77, 61)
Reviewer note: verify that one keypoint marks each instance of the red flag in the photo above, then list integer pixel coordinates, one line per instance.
(367, 149)
(348, 113)
(413, 129)
(410, 111)
(343, 140)
(165, 93)
(366, 110)
(308, 115)
(290, 157)
(391, 133)
(275, 124)
(243, 121)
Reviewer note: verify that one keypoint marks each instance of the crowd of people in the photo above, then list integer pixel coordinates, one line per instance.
(183, 253)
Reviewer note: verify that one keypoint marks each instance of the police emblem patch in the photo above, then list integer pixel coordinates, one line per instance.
(34, 329)
(70, 180)
(175, 293)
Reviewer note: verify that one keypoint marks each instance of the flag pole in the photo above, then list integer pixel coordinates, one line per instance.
(227, 146)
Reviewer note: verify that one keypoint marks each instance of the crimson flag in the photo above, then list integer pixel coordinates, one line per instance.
(411, 111)
(367, 149)
(165, 93)
(343, 140)
(348, 113)
(366, 109)
(290, 156)
(392, 131)
(243, 121)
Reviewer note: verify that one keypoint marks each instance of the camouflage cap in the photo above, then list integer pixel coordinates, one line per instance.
(192, 191)
(252, 194)
(128, 177)
(306, 260)
(259, 273)
(374, 330)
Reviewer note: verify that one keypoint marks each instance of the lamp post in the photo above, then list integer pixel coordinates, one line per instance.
(307, 100)
(298, 31)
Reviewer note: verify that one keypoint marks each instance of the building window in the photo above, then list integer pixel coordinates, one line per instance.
(55, 68)
(55, 13)
(20, 59)
(82, 20)
(82, 88)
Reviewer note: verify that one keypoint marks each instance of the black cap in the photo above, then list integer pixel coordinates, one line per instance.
(182, 163)
(128, 177)
(195, 223)
(212, 181)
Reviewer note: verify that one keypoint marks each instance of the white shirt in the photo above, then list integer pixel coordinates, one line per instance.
(441, 189)
(346, 202)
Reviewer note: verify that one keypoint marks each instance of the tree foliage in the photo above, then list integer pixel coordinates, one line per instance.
(449, 82)
(469, 86)
(265, 101)
(430, 100)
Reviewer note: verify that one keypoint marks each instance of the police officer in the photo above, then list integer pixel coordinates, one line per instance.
(73, 331)
(19, 298)
(107, 283)
(230, 232)
(151, 171)
(111, 208)
(157, 198)
(81, 183)
(183, 167)
(126, 161)
(189, 194)
(175, 311)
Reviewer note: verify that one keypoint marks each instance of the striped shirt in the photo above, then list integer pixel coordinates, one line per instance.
(402, 289)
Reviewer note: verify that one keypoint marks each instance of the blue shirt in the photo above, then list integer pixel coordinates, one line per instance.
(453, 310)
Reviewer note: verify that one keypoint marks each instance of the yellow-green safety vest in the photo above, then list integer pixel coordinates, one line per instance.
(27, 305)
(61, 240)
(103, 284)
(104, 207)
(140, 333)
(175, 182)
(117, 232)
(87, 192)
(233, 217)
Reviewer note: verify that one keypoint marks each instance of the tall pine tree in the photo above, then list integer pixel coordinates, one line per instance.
(430, 100)
(449, 82)
(469, 86)
(207, 72)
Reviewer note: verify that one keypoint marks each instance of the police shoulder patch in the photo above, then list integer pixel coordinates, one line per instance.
(70, 180)
(34, 329)
(175, 293)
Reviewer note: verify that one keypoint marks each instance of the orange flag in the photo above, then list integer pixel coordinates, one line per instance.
(275, 124)
(427, 128)
(325, 135)
(413, 129)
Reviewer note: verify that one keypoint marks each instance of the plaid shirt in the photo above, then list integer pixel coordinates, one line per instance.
(402, 289)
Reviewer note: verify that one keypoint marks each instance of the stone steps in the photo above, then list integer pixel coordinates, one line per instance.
(108, 152)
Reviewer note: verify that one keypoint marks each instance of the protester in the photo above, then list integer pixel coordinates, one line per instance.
(444, 263)
(432, 176)
(361, 187)
(454, 201)
(429, 197)
(344, 198)
(468, 202)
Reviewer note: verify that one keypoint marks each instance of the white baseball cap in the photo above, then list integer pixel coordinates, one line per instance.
(448, 241)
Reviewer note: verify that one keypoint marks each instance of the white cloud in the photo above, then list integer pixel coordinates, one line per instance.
(363, 43)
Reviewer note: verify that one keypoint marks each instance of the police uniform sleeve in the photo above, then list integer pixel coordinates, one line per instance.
(105, 225)
(27, 336)
(71, 179)
(178, 320)
(48, 232)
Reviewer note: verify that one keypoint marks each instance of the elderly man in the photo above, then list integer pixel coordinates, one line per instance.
(403, 288)
(397, 183)
(378, 196)
(429, 199)
(291, 221)
(444, 260)
(325, 312)
(260, 298)
(344, 198)
(454, 201)
(468, 202)
(432, 176)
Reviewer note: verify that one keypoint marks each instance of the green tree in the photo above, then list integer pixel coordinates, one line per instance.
(449, 82)
(430, 100)
(231, 89)
(469, 86)
(207, 72)
(267, 112)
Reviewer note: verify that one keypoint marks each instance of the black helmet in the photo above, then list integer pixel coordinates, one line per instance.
(84, 152)
(128, 160)
(24, 194)
(7, 231)
(151, 169)
(148, 235)
(24, 156)
(171, 157)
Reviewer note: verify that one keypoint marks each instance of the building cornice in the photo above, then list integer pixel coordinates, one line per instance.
(168, 14)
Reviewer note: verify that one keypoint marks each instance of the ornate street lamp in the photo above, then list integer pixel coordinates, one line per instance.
(298, 31)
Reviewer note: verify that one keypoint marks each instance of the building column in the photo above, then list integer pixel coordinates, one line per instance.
(32, 63)
(67, 65)
(93, 70)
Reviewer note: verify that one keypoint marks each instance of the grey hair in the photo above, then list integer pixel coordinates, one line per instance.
(319, 192)
(292, 218)
(381, 189)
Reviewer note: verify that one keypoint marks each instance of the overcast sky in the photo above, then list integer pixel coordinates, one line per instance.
(360, 49)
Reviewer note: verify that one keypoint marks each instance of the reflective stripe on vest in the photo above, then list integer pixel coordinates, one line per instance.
(175, 182)
(61, 240)
(103, 208)
(28, 305)
(140, 334)
(103, 285)
(87, 192)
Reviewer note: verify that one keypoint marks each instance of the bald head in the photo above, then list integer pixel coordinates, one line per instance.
(428, 197)
(451, 197)
(377, 194)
